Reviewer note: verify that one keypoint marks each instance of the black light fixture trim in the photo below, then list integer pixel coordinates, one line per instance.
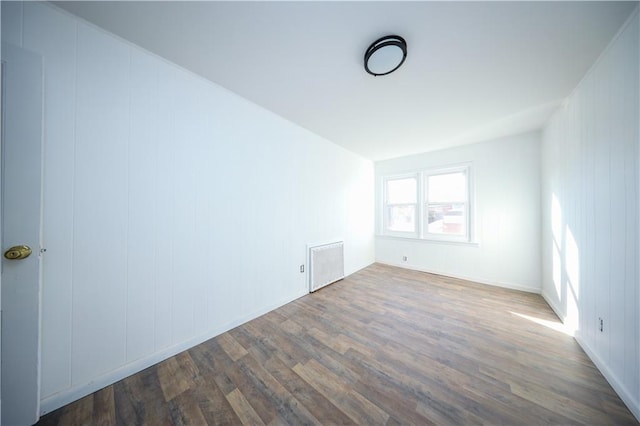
(390, 40)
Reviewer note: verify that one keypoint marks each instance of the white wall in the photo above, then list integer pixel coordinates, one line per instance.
(590, 213)
(173, 209)
(506, 215)
(1, 94)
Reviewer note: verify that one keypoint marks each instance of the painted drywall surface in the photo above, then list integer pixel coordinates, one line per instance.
(173, 209)
(1, 22)
(505, 220)
(590, 213)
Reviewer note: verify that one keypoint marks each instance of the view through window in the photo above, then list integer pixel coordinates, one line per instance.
(402, 202)
(446, 206)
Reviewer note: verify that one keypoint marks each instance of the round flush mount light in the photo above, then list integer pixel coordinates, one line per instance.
(385, 55)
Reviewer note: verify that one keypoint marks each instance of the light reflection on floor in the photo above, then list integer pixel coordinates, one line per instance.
(554, 325)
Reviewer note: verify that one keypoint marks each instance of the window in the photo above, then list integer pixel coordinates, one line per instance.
(432, 204)
(446, 203)
(401, 204)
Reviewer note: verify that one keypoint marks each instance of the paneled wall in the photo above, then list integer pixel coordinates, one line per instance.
(505, 216)
(173, 209)
(590, 207)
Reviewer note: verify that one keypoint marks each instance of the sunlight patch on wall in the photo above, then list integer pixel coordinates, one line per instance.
(572, 262)
(556, 219)
(557, 270)
(572, 267)
(556, 228)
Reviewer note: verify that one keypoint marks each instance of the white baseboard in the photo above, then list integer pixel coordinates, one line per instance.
(511, 286)
(554, 307)
(619, 387)
(76, 392)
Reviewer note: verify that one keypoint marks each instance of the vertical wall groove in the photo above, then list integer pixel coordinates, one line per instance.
(73, 181)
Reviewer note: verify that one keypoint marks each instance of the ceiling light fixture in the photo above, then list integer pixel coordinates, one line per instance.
(385, 55)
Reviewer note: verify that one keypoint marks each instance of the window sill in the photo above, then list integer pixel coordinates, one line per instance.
(428, 241)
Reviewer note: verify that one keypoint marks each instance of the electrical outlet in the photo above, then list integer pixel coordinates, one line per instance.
(601, 324)
(301, 269)
(404, 258)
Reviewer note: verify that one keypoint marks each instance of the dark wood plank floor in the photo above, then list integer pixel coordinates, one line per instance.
(384, 346)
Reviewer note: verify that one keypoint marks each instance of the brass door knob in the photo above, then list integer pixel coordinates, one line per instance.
(17, 252)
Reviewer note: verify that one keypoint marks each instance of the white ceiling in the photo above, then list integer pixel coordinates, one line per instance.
(474, 70)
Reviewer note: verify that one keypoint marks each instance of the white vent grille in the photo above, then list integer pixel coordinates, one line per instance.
(326, 265)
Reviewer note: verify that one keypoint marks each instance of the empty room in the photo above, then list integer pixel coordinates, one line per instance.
(320, 212)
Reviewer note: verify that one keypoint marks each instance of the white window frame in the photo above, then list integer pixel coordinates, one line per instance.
(421, 231)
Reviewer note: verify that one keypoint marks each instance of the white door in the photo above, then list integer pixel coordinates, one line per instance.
(22, 104)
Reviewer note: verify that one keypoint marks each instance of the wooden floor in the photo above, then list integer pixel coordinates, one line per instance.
(384, 346)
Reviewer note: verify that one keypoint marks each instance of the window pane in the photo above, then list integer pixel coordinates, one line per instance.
(446, 219)
(447, 188)
(402, 191)
(402, 218)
